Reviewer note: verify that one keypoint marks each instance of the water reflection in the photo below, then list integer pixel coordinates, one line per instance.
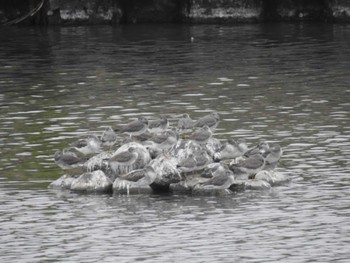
(283, 83)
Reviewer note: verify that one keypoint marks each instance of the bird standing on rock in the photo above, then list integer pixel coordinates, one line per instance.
(202, 135)
(211, 120)
(159, 125)
(187, 165)
(109, 137)
(222, 181)
(231, 150)
(135, 127)
(185, 123)
(272, 156)
(67, 159)
(202, 160)
(249, 166)
(141, 177)
(261, 148)
(87, 146)
(123, 161)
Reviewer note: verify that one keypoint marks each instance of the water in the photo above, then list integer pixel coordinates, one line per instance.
(281, 83)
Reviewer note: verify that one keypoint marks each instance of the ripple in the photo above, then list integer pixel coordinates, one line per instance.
(261, 94)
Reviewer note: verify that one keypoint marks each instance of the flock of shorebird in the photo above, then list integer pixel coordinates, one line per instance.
(153, 155)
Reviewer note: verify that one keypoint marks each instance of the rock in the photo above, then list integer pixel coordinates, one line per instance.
(272, 177)
(92, 182)
(238, 186)
(257, 185)
(210, 191)
(64, 182)
(167, 173)
(98, 162)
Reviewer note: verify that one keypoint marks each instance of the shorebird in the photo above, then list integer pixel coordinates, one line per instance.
(89, 145)
(136, 179)
(272, 156)
(249, 166)
(231, 150)
(214, 169)
(165, 140)
(66, 159)
(202, 160)
(108, 137)
(124, 160)
(159, 125)
(211, 120)
(261, 148)
(187, 165)
(135, 127)
(140, 177)
(221, 181)
(202, 135)
(185, 123)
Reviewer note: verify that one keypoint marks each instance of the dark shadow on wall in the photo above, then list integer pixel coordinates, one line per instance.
(294, 10)
(141, 11)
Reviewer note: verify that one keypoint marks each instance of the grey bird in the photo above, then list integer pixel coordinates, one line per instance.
(67, 159)
(185, 123)
(202, 160)
(261, 148)
(187, 165)
(165, 142)
(211, 120)
(214, 169)
(123, 159)
(272, 156)
(108, 137)
(140, 177)
(231, 150)
(89, 145)
(202, 135)
(249, 166)
(159, 125)
(135, 127)
(222, 181)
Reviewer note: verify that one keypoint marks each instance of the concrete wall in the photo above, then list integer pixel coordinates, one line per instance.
(77, 12)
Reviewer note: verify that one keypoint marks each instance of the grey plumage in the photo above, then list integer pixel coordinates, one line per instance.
(211, 120)
(202, 135)
(158, 125)
(249, 166)
(135, 127)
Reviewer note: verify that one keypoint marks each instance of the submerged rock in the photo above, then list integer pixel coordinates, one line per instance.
(209, 191)
(257, 185)
(64, 182)
(272, 177)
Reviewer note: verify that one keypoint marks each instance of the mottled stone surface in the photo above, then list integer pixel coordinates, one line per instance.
(84, 12)
(203, 11)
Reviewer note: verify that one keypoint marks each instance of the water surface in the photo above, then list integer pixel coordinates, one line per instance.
(281, 83)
